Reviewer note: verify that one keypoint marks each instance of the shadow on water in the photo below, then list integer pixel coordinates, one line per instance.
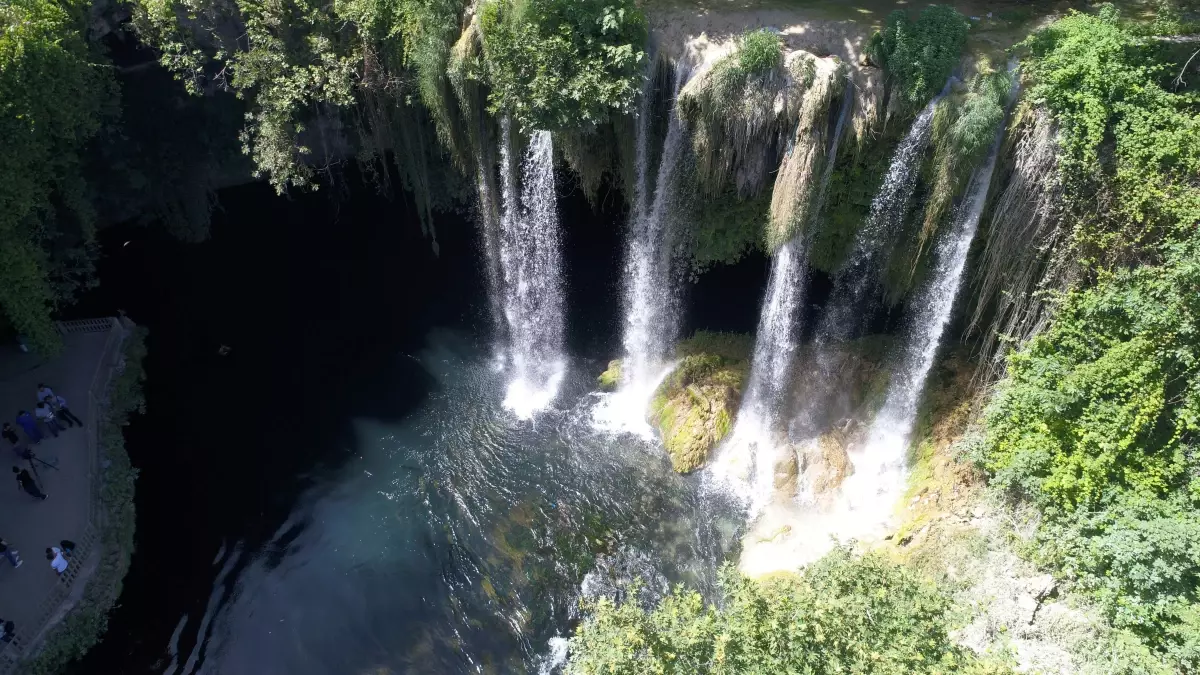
(319, 303)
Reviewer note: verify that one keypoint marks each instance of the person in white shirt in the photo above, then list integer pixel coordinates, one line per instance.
(59, 405)
(44, 391)
(55, 555)
(46, 416)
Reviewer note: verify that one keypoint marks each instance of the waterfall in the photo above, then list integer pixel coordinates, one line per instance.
(489, 225)
(844, 314)
(748, 461)
(846, 311)
(651, 283)
(879, 466)
(530, 263)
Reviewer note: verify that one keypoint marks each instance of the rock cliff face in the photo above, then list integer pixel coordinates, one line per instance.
(695, 406)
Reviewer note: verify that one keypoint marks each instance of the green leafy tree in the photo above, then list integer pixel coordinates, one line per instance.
(843, 614)
(563, 64)
(297, 62)
(54, 95)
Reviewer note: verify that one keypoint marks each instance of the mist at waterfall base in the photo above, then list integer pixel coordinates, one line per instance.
(343, 491)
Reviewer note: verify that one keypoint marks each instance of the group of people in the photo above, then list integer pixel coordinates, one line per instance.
(51, 414)
(57, 555)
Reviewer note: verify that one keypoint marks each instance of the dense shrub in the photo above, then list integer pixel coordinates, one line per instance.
(843, 614)
(758, 53)
(563, 64)
(919, 56)
(725, 228)
(1130, 146)
(1096, 423)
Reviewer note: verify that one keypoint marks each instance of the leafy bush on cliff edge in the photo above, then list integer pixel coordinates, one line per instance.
(563, 64)
(1097, 421)
(843, 614)
(919, 56)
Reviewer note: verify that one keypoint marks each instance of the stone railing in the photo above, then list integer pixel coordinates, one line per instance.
(66, 593)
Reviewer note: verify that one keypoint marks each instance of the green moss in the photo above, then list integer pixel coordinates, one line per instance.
(852, 186)
(695, 406)
(610, 378)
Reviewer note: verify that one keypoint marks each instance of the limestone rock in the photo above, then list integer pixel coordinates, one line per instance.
(826, 463)
(693, 421)
(787, 470)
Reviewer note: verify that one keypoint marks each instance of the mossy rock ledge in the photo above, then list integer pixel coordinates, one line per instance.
(610, 378)
(695, 406)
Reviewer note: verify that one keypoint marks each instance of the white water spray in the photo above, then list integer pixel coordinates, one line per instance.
(530, 262)
(651, 317)
(748, 461)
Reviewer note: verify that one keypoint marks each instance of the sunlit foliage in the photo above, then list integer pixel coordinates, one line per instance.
(54, 94)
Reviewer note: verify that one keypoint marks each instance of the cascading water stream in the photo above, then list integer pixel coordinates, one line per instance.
(746, 463)
(844, 313)
(489, 225)
(651, 279)
(879, 466)
(530, 264)
(651, 317)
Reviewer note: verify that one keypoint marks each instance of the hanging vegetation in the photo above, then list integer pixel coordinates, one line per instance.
(740, 110)
(964, 127)
(1097, 421)
(303, 67)
(800, 182)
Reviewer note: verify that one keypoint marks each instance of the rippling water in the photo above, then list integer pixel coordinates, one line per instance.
(460, 540)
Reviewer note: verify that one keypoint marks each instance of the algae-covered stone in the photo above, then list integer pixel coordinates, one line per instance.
(696, 404)
(610, 378)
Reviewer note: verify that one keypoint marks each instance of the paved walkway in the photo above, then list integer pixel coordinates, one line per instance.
(30, 525)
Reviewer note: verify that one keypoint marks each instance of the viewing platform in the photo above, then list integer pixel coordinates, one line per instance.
(33, 596)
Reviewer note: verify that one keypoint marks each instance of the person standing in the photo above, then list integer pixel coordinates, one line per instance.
(25, 421)
(26, 483)
(55, 555)
(46, 416)
(10, 434)
(44, 391)
(10, 553)
(59, 405)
